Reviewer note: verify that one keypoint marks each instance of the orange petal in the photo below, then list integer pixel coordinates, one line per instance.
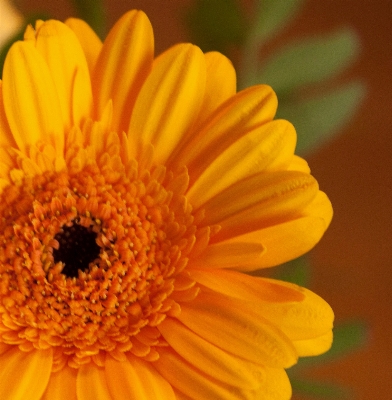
(123, 65)
(244, 335)
(170, 99)
(30, 99)
(269, 147)
(89, 40)
(215, 362)
(24, 375)
(62, 385)
(136, 379)
(91, 383)
(240, 114)
(4, 347)
(181, 396)
(193, 382)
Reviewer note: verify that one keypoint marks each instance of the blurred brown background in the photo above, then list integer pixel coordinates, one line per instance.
(352, 264)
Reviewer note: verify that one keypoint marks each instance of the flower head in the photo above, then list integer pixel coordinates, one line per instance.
(135, 193)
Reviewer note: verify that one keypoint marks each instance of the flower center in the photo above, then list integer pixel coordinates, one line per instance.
(91, 262)
(78, 248)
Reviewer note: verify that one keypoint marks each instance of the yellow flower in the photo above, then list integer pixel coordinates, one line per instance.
(135, 193)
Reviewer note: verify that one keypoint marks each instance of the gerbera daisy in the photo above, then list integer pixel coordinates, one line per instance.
(135, 194)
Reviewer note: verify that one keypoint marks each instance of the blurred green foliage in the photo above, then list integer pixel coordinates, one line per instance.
(296, 71)
(349, 336)
(93, 12)
(271, 16)
(296, 271)
(319, 117)
(309, 389)
(217, 24)
(310, 60)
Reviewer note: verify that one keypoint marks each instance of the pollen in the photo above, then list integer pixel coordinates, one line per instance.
(93, 260)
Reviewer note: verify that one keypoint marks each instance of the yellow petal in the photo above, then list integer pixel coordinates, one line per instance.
(298, 312)
(30, 99)
(220, 84)
(89, 40)
(244, 334)
(306, 319)
(215, 362)
(170, 99)
(259, 201)
(7, 165)
(315, 346)
(288, 240)
(136, 379)
(6, 138)
(24, 375)
(285, 241)
(123, 65)
(321, 207)
(29, 33)
(193, 382)
(68, 66)
(270, 246)
(91, 383)
(298, 164)
(81, 98)
(62, 385)
(246, 287)
(269, 147)
(240, 114)
(276, 387)
(243, 251)
(98, 135)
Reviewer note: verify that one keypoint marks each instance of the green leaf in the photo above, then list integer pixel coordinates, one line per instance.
(309, 60)
(271, 16)
(348, 337)
(296, 271)
(319, 390)
(93, 12)
(216, 24)
(320, 118)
